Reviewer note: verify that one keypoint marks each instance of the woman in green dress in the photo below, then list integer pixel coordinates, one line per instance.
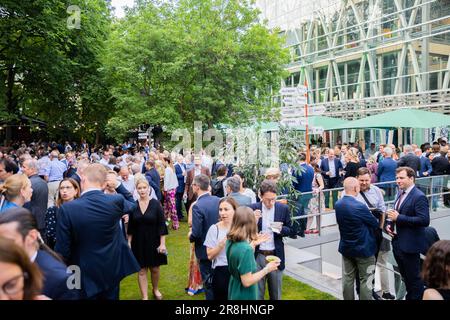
(240, 251)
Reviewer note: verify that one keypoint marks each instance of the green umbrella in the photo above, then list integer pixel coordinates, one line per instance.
(402, 118)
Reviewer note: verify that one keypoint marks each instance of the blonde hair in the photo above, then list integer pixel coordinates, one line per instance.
(13, 185)
(95, 173)
(243, 227)
(140, 180)
(353, 154)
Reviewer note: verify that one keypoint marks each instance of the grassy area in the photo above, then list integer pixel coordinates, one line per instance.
(174, 276)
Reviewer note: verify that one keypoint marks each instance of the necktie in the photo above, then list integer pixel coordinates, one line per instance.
(400, 200)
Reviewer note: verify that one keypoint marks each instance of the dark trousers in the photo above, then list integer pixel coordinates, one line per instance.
(205, 270)
(220, 283)
(331, 184)
(409, 267)
(299, 225)
(179, 204)
(110, 294)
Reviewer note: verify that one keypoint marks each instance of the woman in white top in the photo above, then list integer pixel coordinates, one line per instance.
(170, 187)
(215, 247)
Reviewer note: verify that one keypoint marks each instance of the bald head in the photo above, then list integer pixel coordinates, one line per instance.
(351, 186)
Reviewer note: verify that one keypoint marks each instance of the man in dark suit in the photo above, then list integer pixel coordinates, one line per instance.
(79, 170)
(409, 159)
(39, 198)
(330, 171)
(205, 213)
(153, 178)
(267, 212)
(198, 169)
(357, 245)
(93, 240)
(411, 216)
(180, 171)
(19, 225)
(386, 172)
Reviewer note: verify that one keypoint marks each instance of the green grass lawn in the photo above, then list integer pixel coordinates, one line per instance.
(174, 276)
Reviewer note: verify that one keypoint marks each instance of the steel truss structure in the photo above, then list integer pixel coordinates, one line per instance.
(361, 57)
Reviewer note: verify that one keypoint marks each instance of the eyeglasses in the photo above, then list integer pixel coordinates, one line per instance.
(14, 285)
(68, 188)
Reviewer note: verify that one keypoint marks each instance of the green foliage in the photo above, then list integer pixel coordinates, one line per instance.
(199, 60)
(50, 71)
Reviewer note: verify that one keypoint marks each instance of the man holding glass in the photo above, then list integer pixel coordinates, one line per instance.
(410, 215)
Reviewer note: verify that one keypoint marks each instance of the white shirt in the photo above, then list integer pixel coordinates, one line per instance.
(34, 256)
(267, 217)
(404, 197)
(170, 179)
(129, 185)
(332, 168)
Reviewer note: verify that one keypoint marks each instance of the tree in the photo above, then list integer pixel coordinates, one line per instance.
(191, 60)
(48, 69)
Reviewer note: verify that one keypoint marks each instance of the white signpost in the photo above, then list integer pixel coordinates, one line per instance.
(294, 122)
(142, 135)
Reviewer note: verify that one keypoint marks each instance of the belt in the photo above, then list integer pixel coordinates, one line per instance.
(267, 252)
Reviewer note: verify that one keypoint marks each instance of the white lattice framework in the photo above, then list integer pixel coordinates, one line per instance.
(331, 34)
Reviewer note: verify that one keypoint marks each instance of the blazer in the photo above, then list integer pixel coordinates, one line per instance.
(386, 170)
(325, 167)
(55, 278)
(425, 166)
(304, 179)
(414, 216)
(281, 215)
(409, 160)
(180, 177)
(154, 180)
(356, 226)
(205, 213)
(39, 200)
(88, 235)
(190, 178)
(440, 166)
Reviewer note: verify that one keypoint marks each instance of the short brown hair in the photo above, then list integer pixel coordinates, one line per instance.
(362, 171)
(409, 172)
(437, 262)
(243, 227)
(95, 173)
(12, 253)
(267, 186)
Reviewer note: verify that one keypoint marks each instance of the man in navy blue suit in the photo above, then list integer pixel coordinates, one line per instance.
(180, 171)
(386, 172)
(266, 212)
(88, 234)
(304, 186)
(357, 244)
(153, 178)
(19, 225)
(330, 171)
(205, 213)
(411, 216)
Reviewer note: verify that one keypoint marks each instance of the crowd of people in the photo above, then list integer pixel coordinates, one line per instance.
(108, 210)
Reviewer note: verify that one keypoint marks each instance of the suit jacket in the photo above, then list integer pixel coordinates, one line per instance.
(190, 178)
(425, 166)
(88, 235)
(409, 160)
(325, 167)
(356, 227)
(386, 170)
(304, 179)
(414, 216)
(39, 199)
(205, 213)
(77, 178)
(55, 278)
(180, 177)
(281, 215)
(154, 180)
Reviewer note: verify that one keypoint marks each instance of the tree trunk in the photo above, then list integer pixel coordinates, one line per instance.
(11, 101)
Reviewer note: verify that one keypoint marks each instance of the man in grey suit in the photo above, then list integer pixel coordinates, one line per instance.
(39, 199)
(233, 188)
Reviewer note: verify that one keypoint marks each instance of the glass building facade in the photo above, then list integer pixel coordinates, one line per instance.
(362, 57)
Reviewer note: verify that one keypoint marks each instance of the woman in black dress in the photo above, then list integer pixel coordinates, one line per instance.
(146, 236)
(351, 157)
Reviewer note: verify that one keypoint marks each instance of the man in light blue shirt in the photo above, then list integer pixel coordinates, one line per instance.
(54, 173)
